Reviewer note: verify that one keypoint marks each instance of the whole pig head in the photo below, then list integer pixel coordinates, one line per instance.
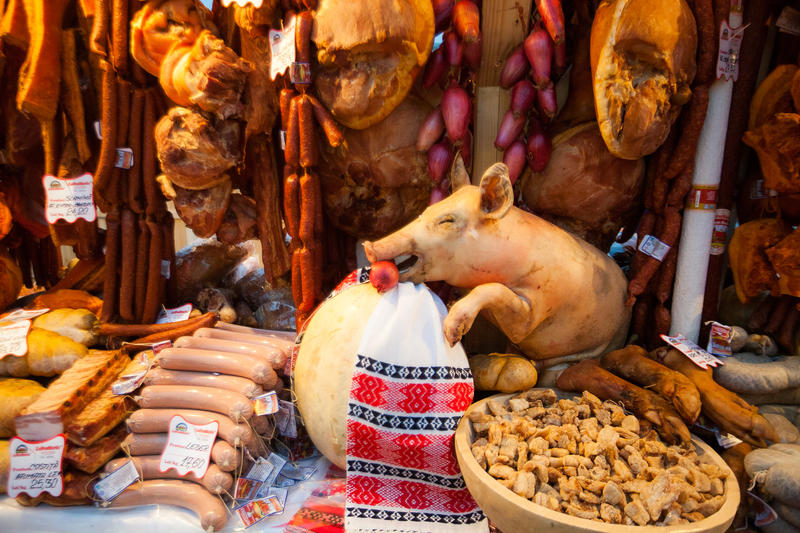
(551, 293)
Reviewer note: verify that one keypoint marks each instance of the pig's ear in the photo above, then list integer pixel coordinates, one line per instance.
(458, 173)
(497, 196)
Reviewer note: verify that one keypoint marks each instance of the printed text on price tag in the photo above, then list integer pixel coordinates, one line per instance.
(188, 446)
(176, 314)
(68, 199)
(14, 338)
(36, 466)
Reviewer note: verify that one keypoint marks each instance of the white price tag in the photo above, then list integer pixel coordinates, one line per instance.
(256, 510)
(654, 248)
(266, 404)
(113, 484)
(124, 158)
(789, 21)
(280, 493)
(188, 446)
(281, 44)
(23, 314)
(165, 270)
(277, 462)
(698, 356)
(98, 130)
(176, 314)
(719, 340)
(14, 338)
(285, 419)
(730, 42)
(128, 383)
(36, 466)
(726, 440)
(68, 199)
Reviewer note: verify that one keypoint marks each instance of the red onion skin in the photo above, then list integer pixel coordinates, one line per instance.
(523, 95)
(444, 185)
(442, 13)
(437, 196)
(453, 49)
(435, 69)
(439, 159)
(467, 20)
(466, 150)
(456, 110)
(510, 128)
(431, 130)
(552, 17)
(515, 69)
(560, 58)
(539, 147)
(472, 53)
(546, 99)
(515, 158)
(539, 51)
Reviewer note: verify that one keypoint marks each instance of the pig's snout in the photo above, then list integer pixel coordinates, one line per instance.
(369, 250)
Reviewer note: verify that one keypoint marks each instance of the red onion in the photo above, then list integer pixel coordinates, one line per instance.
(453, 49)
(546, 99)
(510, 128)
(560, 58)
(456, 111)
(552, 17)
(467, 20)
(515, 159)
(435, 69)
(431, 129)
(539, 146)
(539, 51)
(442, 12)
(472, 53)
(515, 68)
(439, 159)
(523, 95)
(437, 196)
(444, 185)
(466, 150)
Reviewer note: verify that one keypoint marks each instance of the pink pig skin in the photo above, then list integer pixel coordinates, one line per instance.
(554, 295)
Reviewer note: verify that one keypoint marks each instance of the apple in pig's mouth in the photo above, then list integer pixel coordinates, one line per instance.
(409, 263)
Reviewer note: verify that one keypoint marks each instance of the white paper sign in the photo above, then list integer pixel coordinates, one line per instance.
(188, 447)
(36, 466)
(113, 484)
(654, 248)
(68, 199)
(698, 356)
(24, 314)
(281, 44)
(14, 338)
(730, 42)
(266, 404)
(124, 159)
(176, 314)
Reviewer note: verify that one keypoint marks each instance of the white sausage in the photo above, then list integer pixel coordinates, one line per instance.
(274, 356)
(209, 508)
(157, 421)
(149, 466)
(229, 403)
(243, 365)
(281, 343)
(274, 333)
(244, 386)
(223, 454)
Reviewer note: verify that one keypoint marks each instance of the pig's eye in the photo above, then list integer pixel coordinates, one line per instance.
(447, 219)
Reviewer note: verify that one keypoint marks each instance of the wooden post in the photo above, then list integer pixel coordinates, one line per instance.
(504, 25)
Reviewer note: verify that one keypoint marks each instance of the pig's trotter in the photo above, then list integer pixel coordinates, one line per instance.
(508, 310)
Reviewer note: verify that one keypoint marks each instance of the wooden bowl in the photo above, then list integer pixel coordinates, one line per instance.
(512, 513)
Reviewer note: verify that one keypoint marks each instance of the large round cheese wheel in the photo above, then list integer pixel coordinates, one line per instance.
(324, 367)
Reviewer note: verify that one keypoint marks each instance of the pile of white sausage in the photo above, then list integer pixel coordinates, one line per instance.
(211, 376)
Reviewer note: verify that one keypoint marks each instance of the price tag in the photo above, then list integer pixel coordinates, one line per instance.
(730, 42)
(98, 130)
(266, 404)
(276, 462)
(300, 73)
(281, 44)
(726, 440)
(14, 338)
(165, 270)
(124, 159)
(113, 484)
(246, 488)
(283, 139)
(757, 191)
(130, 382)
(719, 340)
(176, 314)
(285, 419)
(698, 356)
(188, 447)
(654, 248)
(256, 510)
(36, 466)
(23, 314)
(702, 197)
(68, 199)
(242, 3)
(789, 21)
(722, 219)
(279, 493)
(298, 473)
(765, 515)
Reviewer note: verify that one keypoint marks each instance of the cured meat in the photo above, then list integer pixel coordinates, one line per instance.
(201, 210)
(239, 222)
(90, 459)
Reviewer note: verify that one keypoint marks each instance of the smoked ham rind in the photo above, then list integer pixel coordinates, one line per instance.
(90, 459)
(66, 397)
